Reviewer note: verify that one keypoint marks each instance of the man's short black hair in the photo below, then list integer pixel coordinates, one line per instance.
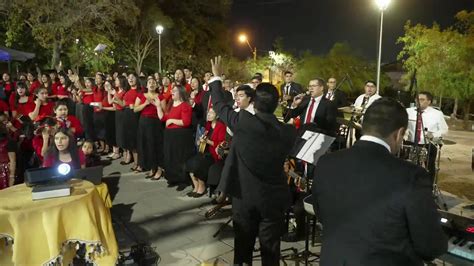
(257, 77)
(249, 92)
(288, 72)
(428, 95)
(266, 98)
(383, 117)
(371, 81)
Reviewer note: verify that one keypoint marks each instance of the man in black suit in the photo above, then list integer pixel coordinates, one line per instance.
(335, 95)
(289, 89)
(315, 111)
(253, 171)
(376, 209)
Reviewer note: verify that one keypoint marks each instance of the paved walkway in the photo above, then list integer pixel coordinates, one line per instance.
(149, 211)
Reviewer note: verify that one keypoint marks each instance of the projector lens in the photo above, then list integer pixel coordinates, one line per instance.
(64, 169)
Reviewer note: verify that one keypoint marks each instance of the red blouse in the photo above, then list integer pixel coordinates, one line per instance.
(3, 106)
(98, 97)
(54, 87)
(45, 110)
(181, 112)
(87, 98)
(36, 84)
(217, 136)
(130, 97)
(149, 110)
(50, 161)
(9, 86)
(119, 96)
(22, 108)
(37, 143)
(61, 90)
(72, 122)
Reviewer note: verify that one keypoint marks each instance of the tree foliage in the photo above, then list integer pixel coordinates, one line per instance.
(443, 59)
(340, 62)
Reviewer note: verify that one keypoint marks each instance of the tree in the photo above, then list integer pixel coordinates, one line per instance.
(340, 62)
(442, 58)
(138, 41)
(56, 24)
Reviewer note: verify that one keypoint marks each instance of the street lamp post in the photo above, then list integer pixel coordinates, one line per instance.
(243, 39)
(382, 4)
(159, 30)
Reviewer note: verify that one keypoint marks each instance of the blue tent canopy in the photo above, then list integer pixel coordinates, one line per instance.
(7, 55)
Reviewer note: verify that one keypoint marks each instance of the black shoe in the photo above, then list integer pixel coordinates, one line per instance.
(172, 184)
(181, 187)
(191, 194)
(291, 237)
(198, 195)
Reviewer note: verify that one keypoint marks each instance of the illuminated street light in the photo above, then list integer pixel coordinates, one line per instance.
(243, 39)
(382, 5)
(159, 29)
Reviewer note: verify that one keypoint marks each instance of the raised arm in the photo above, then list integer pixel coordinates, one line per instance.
(223, 109)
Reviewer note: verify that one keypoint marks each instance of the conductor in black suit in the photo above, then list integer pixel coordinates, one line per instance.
(315, 111)
(253, 171)
(376, 209)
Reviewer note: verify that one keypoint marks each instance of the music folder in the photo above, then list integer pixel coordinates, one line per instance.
(311, 146)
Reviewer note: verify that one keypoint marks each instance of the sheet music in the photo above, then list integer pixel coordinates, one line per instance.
(316, 145)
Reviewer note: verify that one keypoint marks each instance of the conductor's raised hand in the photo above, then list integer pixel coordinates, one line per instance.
(216, 66)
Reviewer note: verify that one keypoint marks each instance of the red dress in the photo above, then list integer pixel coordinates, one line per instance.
(3, 106)
(181, 112)
(130, 97)
(119, 96)
(62, 91)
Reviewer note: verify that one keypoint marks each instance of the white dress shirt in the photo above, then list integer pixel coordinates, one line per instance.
(432, 122)
(376, 140)
(360, 99)
(317, 100)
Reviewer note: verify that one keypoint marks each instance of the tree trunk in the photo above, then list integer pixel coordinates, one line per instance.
(56, 54)
(467, 110)
(455, 108)
(440, 100)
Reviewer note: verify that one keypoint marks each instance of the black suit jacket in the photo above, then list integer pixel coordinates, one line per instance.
(339, 99)
(295, 89)
(253, 169)
(324, 118)
(200, 110)
(375, 209)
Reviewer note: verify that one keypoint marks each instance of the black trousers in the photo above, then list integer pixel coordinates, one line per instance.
(248, 223)
(431, 164)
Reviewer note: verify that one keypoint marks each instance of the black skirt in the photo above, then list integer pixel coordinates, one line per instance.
(199, 165)
(214, 174)
(99, 125)
(88, 121)
(130, 126)
(119, 128)
(110, 128)
(150, 143)
(178, 147)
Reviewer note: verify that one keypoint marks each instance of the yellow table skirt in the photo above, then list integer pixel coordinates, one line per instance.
(104, 194)
(47, 231)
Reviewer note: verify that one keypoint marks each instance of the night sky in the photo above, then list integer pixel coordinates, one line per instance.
(317, 24)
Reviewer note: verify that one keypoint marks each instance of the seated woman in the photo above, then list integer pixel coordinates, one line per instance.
(65, 120)
(42, 106)
(64, 150)
(198, 166)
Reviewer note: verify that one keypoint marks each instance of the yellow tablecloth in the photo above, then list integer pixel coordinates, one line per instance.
(104, 194)
(47, 230)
